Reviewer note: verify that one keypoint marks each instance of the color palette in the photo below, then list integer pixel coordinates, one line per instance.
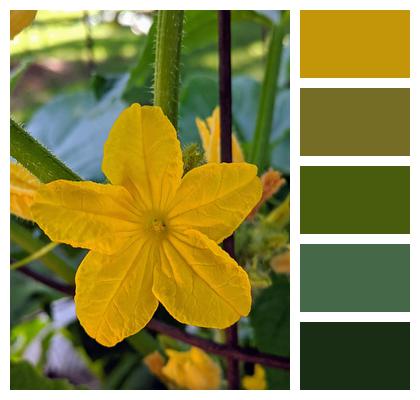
(355, 122)
(355, 277)
(355, 44)
(354, 199)
(355, 355)
(373, 198)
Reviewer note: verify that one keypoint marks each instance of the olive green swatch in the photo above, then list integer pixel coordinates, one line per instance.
(355, 356)
(355, 122)
(355, 199)
(355, 277)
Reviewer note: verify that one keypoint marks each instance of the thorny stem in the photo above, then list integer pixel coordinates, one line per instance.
(36, 158)
(167, 60)
(225, 99)
(237, 353)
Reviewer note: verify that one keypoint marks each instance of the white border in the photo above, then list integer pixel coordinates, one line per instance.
(296, 160)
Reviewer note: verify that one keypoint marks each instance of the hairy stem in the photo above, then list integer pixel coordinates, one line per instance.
(36, 158)
(167, 61)
(261, 143)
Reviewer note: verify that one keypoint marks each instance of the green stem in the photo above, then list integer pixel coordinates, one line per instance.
(261, 143)
(167, 61)
(25, 239)
(36, 158)
(34, 256)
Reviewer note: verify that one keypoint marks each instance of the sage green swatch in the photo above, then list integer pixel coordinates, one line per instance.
(355, 277)
(355, 122)
(350, 200)
(355, 356)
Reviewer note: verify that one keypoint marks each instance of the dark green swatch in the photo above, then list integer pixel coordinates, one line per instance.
(355, 277)
(355, 355)
(355, 200)
(355, 122)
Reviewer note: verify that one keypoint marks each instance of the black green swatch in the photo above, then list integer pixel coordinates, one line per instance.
(355, 355)
(355, 199)
(355, 277)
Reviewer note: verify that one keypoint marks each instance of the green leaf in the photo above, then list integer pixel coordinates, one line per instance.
(75, 127)
(23, 376)
(198, 97)
(27, 297)
(270, 319)
(141, 74)
(22, 335)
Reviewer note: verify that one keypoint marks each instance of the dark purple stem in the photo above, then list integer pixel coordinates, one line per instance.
(225, 99)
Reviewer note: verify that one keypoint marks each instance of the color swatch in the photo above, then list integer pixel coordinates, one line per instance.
(355, 277)
(355, 355)
(355, 122)
(355, 44)
(354, 199)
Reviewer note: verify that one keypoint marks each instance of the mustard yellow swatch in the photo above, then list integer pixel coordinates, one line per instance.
(355, 44)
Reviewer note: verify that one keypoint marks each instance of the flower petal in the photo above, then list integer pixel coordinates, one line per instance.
(192, 369)
(19, 20)
(215, 198)
(198, 283)
(23, 187)
(114, 296)
(86, 214)
(237, 155)
(143, 154)
(204, 132)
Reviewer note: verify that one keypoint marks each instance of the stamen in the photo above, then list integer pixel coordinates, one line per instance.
(158, 225)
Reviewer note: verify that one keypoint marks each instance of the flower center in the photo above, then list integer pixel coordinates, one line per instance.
(158, 225)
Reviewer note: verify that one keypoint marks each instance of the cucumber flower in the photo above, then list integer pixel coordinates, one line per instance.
(210, 139)
(152, 233)
(192, 369)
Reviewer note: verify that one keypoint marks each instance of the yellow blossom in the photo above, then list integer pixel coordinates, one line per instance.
(23, 186)
(256, 381)
(192, 369)
(152, 232)
(210, 138)
(19, 20)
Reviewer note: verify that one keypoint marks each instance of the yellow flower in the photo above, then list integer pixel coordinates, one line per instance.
(152, 233)
(192, 369)
(23, 186)
(19, 20)
(256, 381)
(210, 138)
